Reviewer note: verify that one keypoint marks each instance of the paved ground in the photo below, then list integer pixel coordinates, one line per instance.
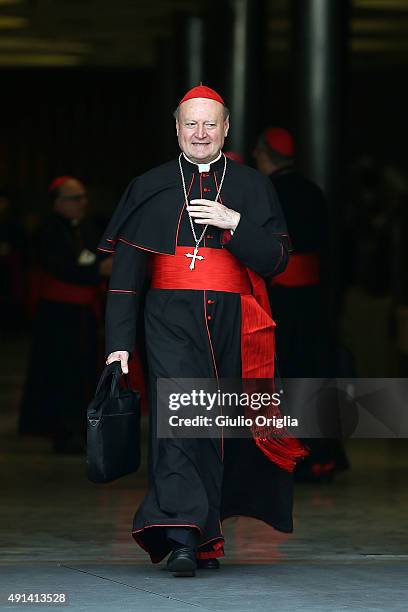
(295, 585)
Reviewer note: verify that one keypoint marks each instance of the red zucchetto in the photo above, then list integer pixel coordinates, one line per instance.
(57, 182)
(281, 141)
(201, 91)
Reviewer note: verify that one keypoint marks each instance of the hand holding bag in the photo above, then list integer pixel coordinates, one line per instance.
(113, 428)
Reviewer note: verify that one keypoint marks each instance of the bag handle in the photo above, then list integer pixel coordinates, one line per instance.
(107, 371)
(115, 386)
(112, 370)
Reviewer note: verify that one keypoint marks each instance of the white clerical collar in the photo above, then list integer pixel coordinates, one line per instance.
(203, 167)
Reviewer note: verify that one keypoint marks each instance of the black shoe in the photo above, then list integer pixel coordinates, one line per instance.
(182, 562)
(208, 564)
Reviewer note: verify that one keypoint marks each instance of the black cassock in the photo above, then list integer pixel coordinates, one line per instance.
(301, 312)
(62, 365)
(190, 334)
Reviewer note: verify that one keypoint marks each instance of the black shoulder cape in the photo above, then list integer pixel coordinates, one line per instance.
(149, 211)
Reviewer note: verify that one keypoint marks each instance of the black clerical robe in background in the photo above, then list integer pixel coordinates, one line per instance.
(63, 360)
(301, 311)
(195, 334)
(302, 335)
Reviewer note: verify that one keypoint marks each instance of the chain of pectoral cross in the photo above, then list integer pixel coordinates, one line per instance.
(194, 256)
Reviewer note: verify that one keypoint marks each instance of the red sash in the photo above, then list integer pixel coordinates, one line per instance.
(47, 287)
(221, 271)
(51, 288)
(303, 269)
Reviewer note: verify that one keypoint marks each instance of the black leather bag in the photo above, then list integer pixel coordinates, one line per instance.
(113, 428)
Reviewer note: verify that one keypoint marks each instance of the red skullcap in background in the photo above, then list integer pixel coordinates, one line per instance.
(281, 141)
(57, 182)
(201, 91)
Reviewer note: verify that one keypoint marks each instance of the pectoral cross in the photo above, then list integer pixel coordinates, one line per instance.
(194, 256)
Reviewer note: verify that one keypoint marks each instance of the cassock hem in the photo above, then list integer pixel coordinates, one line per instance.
(284, 528)
(217, 545)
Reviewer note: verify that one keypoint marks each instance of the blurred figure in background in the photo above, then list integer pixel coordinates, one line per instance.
(374, 240)
(12, 256)
(66, 280)
(296, 295)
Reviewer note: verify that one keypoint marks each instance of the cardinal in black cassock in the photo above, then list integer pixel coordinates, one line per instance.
(297, 295)
(66, 280)
(210, 229)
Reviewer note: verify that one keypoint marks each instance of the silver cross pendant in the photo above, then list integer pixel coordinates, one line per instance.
(194, 256)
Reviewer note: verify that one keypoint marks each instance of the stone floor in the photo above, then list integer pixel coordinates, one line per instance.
(61, 534)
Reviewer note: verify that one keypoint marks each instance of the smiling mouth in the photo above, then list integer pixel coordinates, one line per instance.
(200, 143)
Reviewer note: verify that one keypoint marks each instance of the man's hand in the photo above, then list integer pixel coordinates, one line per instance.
(213, 213)
(105, 266)
(122, 356)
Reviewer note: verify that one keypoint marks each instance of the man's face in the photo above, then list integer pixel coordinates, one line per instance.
(72, 200)
(262, 161)
(201, 129)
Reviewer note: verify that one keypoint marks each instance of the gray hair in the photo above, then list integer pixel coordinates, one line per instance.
(225, 109)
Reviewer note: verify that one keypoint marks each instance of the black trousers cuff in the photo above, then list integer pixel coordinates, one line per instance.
(182, 536)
